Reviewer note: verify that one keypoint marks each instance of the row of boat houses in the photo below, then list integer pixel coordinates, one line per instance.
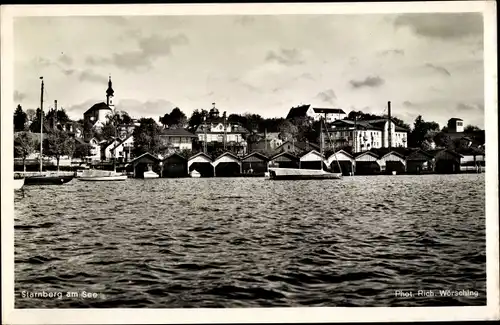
(372, 162)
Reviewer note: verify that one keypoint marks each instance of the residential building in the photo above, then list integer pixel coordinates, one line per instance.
(123, 148)
(329, 114)
(218, 132)
(267, 141)
(178, 139)
(455, 125)
(364, 135)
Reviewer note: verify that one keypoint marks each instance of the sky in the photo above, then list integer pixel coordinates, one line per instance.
(428, 64)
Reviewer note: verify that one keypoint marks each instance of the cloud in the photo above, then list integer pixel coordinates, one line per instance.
(327, 96)
(18, 96)
(135, 108)
(89, 75)
(353, 61)
(442, 25)
(439, 69)
(41, 62)
(368, 82)
(464, 107)
(288, 57)
(138, 109)
(65, 59)
(407, 103)
(150, 48)
(392, 52)
(68, 72)
(306, 75)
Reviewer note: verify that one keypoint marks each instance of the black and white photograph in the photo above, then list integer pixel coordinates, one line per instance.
(249, 160)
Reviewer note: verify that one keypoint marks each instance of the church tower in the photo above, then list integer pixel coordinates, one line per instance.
(110, 94)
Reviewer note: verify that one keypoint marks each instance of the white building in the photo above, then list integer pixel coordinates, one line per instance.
(329, 114)
(365, 135)
(178, 139)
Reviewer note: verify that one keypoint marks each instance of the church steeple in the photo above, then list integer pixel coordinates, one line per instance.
(110, 94)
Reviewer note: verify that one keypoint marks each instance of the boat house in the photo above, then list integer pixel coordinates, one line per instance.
(419, 161)
(284, 160)
(255, 164)
(311, 160)
(144, 163)
(227, 165)
(346, 162)
(367, 163)
(175, 165)
(202, 163)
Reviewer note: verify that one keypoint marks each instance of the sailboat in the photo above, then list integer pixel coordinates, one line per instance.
(45, 179)
(305, 174)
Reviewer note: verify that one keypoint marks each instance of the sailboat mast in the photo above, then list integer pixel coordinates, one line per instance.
(321, 141)
(41, 127)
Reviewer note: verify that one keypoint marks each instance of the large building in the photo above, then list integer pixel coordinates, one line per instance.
(216, 131)
(365, 135)
(96, 115)
(328, 114)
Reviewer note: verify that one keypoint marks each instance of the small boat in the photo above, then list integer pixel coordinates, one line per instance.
(301, 174)
(48, 179)
(195, 174)
(150, 174)
(101, 176)
(18, 183)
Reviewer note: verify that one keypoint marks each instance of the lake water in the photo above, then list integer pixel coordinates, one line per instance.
(249, 242)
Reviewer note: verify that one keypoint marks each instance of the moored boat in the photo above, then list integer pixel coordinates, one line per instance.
(301, 174)
(101, 176)
(18, 183)
(48, 179)
(150, 174)
(305, 174)
(195, 174)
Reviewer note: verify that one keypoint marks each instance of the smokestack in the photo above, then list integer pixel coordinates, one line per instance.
(389, 125)
(55, 105)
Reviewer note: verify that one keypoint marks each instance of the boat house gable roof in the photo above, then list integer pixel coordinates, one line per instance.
(395, 153)
(174, 156)
(419, 155)
(201, 155)
(285, 154)
(366, 153)
(227, 157)
(311, 154)
(255, 156)
(340, 154)
(145, 157)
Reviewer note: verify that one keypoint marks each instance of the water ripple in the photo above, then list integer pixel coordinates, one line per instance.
(178, 243)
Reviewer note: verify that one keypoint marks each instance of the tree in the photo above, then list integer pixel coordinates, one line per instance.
(471, 128)
(20, 119)
(177, 118)
(196, 119)
(35, 125)
(147, 137)
(288, 131)
(108, 131)
(441, 139)
(24, 145)
(30, 114)
(57, 144)
(82, 150)
(420, 131)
